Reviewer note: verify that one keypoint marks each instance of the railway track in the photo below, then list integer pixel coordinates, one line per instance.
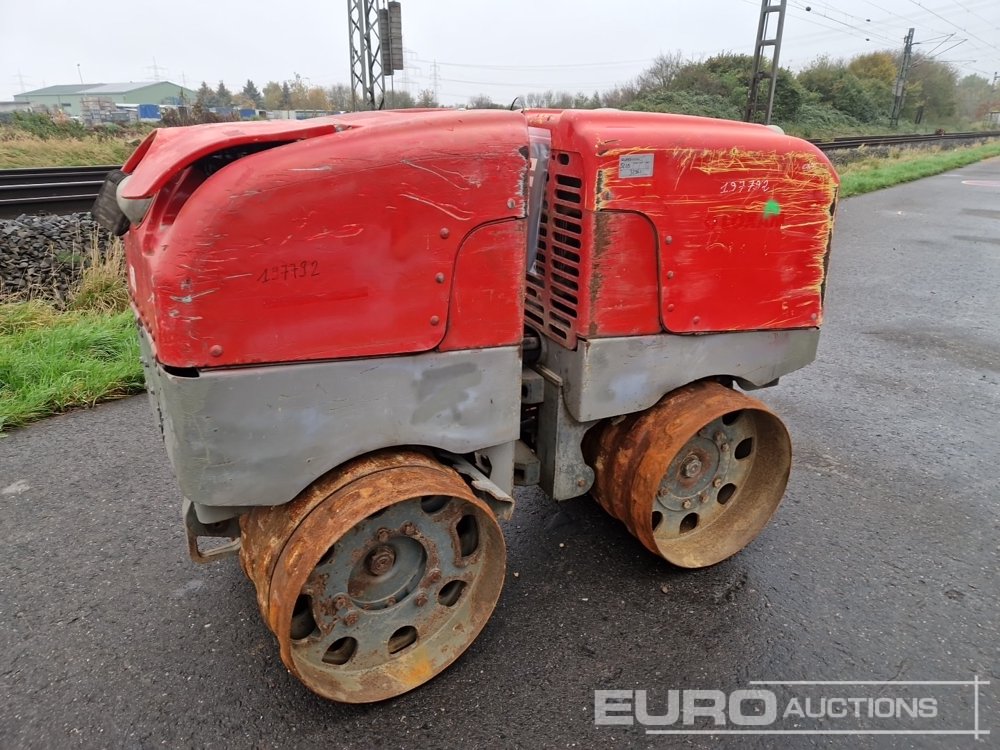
(857, 141)
(59, 190)
(54, 190)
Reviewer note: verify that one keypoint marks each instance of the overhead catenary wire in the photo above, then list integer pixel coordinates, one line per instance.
(952, 23)
(831, 23)
(982, 18)
(541, 67)
(878, 24)
(867, 32)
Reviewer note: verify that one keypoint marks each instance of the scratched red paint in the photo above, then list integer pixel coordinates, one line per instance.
(487, 295)
(384, 233)
(329, 246)
(724, 263)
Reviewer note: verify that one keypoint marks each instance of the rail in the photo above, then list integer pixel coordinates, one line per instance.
(55, 190)
(67, 189)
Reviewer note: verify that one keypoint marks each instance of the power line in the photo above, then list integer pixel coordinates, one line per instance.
(538, 67)
(952, 23)
(866, 31)
(971, 12)
(528, 85)
(896, 15)
(832, 30)
(943, 41)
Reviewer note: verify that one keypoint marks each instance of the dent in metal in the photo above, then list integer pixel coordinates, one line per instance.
(500, 502)
(501, 465)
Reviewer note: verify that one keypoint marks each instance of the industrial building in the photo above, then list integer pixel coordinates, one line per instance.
(81, 99)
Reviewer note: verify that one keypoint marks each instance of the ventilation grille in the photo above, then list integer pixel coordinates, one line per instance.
(553, 289)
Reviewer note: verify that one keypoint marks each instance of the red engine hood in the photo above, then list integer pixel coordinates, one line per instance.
(167, 151)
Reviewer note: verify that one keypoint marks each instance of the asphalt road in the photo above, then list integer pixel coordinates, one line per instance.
(880, 565)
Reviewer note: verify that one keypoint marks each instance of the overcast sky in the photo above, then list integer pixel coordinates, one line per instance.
(501, 48)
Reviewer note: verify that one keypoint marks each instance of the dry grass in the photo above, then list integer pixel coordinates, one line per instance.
(23, 150)
(17, 316)
(102, 284)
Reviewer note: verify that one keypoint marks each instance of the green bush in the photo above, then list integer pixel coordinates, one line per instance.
(43, 126)
(687, 103)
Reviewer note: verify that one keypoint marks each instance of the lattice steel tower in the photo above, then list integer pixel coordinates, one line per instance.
(899, 91)
(376, 40)
(761, 69)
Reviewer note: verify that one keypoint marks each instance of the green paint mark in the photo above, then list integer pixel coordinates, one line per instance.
(771, 208)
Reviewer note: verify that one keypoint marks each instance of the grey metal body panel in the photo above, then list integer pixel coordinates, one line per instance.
(259, 435)
(563, 472)
(608, 377)
(500, 460)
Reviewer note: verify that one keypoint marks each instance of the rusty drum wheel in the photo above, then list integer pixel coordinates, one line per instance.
(377, 577)
(697, 476)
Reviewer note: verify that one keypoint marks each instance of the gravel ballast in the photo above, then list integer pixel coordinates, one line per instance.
(44, 255)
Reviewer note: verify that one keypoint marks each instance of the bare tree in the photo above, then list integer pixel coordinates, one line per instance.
(659, 75)
(482, 101)
(426, 98)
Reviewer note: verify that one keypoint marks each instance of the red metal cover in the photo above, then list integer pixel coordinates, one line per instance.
(345, 244)
(742, 217)
(166, 151)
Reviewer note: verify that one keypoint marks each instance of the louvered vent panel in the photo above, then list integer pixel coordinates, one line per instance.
(553, 289)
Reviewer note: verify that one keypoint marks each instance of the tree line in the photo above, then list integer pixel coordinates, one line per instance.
(828, 95)
(298, 94)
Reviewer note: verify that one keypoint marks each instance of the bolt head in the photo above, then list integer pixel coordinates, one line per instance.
(691, 467)
(383, 535)
(215, 351)
(351, 619)
(381, 561)
(435, 320)
(686, 504)
(340, 602)
(421, 600)
(717, 482)
(409, 529)
(434, 575)
(439, 278)
(703, 497)
(445, 232)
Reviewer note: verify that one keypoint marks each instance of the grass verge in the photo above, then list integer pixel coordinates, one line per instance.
(29, 151)
(55, 359)
(905, 166)
(51, 361)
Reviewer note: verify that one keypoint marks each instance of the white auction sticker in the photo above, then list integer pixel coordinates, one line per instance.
(635, 165)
